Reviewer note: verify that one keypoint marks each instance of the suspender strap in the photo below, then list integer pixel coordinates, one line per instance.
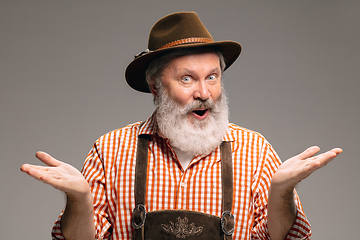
(141, 169)
(139, 213)
(226, 176)
(227, 219)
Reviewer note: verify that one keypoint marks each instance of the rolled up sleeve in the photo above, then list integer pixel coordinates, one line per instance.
(93, 172)
(301, 228)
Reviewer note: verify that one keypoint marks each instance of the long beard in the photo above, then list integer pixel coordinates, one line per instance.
(196, 137)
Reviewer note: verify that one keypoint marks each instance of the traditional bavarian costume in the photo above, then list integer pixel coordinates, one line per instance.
(181, 224)
(175, 31)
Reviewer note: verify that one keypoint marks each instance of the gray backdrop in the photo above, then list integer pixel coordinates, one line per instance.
(62, 86)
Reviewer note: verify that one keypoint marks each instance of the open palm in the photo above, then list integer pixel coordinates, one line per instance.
(299, 167)
(58, 174)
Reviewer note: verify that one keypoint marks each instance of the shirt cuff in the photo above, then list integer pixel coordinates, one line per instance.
(301, 228)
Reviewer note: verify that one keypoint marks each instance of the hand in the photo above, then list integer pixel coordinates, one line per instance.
(59, 175)
(297, 168)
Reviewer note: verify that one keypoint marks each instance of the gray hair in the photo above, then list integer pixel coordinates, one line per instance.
(161, 62)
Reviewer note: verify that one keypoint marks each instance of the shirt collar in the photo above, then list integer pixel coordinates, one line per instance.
(229, 137)
(149, 127)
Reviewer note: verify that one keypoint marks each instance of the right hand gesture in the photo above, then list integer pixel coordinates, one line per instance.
(58, 174)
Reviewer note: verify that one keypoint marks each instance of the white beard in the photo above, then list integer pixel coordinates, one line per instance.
(195, 137)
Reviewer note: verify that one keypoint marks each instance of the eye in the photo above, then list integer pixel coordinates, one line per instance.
(212, 77)
(186, 79)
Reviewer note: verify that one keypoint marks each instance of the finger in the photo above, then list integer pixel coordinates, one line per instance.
(311, 151)
(47, 159)
(24, 167)
(337, 150)
(329, 154)
(31, 169)
(42, 174)
(34, 171)
(327, 157)
(27, 167)
(314, 163)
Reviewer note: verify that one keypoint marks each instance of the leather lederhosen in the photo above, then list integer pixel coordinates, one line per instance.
(181, 224)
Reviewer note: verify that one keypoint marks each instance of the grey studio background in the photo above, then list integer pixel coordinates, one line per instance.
(62, 86)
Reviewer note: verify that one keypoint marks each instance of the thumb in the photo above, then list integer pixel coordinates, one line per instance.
(47, 159)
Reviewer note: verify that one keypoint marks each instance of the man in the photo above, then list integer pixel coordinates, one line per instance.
(185, 172)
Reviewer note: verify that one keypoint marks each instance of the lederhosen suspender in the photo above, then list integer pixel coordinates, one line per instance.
(205, 227)
(139, 213)
(227, 219)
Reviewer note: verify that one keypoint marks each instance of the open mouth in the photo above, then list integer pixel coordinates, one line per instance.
(200, 112)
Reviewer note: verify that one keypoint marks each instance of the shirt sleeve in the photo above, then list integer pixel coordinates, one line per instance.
(93, 172)
(301, 228)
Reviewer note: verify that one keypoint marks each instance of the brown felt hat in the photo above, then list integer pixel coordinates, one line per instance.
(177, 30)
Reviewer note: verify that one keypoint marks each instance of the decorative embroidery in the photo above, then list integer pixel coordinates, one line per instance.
(181, 229)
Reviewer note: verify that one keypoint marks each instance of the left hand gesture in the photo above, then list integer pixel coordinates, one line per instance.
(299, 167)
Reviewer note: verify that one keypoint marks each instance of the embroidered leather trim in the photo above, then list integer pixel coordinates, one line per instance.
(181, 229)
(187, 40)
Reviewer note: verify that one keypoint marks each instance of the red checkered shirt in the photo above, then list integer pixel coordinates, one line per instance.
(110, 170)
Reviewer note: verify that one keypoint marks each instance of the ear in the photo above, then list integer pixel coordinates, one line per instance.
(152, 86)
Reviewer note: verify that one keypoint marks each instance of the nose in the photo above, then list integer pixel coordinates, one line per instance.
(202, 91)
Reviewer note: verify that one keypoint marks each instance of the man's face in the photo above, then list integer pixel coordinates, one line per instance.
(193, 77)
(192, 109)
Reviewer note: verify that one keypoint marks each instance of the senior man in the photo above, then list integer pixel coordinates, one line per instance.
(185, 172)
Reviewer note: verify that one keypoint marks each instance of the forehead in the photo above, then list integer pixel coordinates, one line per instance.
(195, 61)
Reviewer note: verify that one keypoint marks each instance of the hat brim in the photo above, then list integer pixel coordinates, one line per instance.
(135, 71)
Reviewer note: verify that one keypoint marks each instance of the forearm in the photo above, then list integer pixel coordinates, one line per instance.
(281, 212)
(78, 219)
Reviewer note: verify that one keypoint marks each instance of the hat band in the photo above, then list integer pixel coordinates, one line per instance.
(187, 40)
(177, 42)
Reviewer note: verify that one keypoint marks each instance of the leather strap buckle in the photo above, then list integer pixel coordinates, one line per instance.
(138, 216)
(227, 223)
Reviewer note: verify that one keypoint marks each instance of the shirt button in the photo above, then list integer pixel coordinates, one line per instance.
(182, 184)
